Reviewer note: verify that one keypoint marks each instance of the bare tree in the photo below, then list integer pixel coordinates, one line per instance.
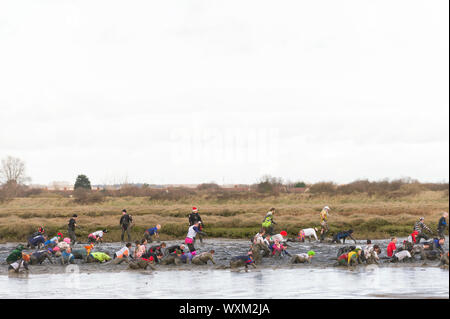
(13, 171)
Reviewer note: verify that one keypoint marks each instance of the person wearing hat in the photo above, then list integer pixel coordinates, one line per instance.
(281, 237)
(422, 228)
(194, 217)
(125, 224)
(442, 225)
(97, 236)
(71, 228)
(303, 258)
(324, 222)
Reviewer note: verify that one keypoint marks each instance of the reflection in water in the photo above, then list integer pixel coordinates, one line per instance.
(369, 282)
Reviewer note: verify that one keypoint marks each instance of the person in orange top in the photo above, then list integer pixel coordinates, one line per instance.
(122, 255)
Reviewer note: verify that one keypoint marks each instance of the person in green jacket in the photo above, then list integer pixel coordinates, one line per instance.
(15, 255)
(98, 257)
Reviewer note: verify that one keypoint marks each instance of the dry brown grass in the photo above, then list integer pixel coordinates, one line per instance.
(369, 216)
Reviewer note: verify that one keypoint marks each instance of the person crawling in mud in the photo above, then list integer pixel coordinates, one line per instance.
(82, 253)
(152, 232)
(158, 249)
(52, 242)
(192, 233)
(342, 235)
(122, 255)
(432, 250)
(202, 259)
(97, 236)
(67, 257)
(242, 261)
(303, 233)
(38, 257)
(173, 258)
(37, 241)
(15, 267)
(303, 258)
(98, 257)
(179, 249)
(371, 253)
(281, 237)
(15, 254)
(268, 222)
(142, 263)
(279, 250)
(351, 258)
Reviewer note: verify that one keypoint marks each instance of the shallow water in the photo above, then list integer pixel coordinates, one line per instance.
(368, 282)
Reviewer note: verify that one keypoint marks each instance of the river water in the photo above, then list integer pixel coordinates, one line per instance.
(367, 282)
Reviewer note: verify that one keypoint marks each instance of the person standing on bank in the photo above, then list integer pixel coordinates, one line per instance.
(71, 228)
(194, 218)
(125, 224)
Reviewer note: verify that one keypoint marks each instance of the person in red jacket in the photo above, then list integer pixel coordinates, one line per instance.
(392, 247)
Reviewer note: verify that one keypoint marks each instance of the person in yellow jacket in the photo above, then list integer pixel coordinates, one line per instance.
(98, 257)
(268, 222)
(324, 222)
(354, 256)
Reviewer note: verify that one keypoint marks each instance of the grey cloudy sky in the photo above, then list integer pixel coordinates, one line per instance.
(225, 91)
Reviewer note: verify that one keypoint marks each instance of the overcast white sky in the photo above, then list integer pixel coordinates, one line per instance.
(225, 91)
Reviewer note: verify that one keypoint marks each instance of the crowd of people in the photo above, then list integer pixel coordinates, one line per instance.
(267, 243)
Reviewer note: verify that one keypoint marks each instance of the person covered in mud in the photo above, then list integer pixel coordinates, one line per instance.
(427, 251)
(67, 257)
(173, 258)
(371, 254)
(98, 257)
(22, 262)
(37, 241)
(82, 253)
(438, 244)
(242, 261)
(97, 236)
(259, 243)
(158, 249)
(303, 257)
(324, 223)
(422, 229)
(444, 260)
(38, 257)
(341, 236)
(202, 259)
(125, 223)
(64, 244)
(268, 222)
(71, 228)
(122, 255)
(354, 257)
(442, 225)
(190, 237)
(15, 254)
(142, 263)
(412, 238)
(194, 217)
